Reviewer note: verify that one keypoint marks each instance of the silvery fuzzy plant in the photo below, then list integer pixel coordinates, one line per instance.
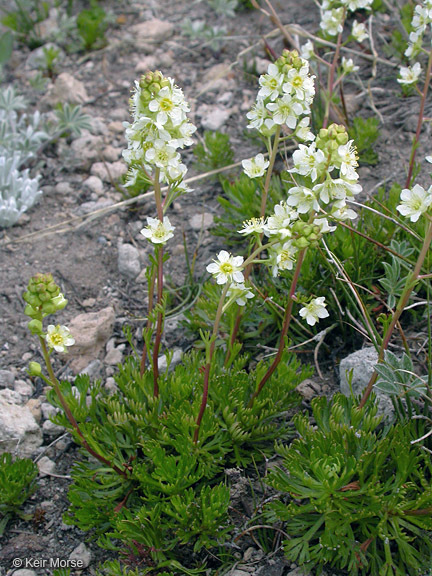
(21, 137)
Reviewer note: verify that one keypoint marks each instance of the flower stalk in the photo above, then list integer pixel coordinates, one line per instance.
(410, 283)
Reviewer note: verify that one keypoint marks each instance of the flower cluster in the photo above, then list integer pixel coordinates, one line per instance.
(326, 179)
(285, 95)
(422, 18)
(159, 128)
(333, 13)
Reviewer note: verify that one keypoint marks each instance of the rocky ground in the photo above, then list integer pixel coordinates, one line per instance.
(87, 236)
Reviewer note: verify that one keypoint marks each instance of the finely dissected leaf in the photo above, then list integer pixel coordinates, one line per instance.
(349, 488)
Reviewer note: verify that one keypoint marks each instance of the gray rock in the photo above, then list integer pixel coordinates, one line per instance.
(37, 60)
(94, 184)
(87, 150)
(93, 369)
(362, 364)
(46, 466)
(7, 379)
(24, 572)
(114, 357)
(177, 354)
(111, 154)
(24, 389)
(64, 188)
(108, 171)
(110, 385)
(19, 430)
(81, 553)
(201, 221)
(52, 430)
(128, 261)
(66, 89)
(151, 32)
(48, 410)
(92, 206)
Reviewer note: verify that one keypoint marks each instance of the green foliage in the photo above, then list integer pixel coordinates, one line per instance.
(17, 484)
(358, 496)
(91, 26)
(214, 152)
(365, 132)
(396, 377)
(71, 119)
(393, 282)
(23, 20)
(213, 36)
(6, 45)
(171, 500)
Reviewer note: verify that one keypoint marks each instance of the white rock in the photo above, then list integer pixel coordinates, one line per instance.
(64, 188)
(201, 221)
(19, 431)
(24, 572)
(94, 184)
(81, 553)
(111, 154)
(213, 117)
(48, 410)
(128, 261)
(93, 369)
(46, 466)
(145, 64)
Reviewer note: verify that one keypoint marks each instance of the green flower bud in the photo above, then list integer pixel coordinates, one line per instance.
(307, 230)
(30, 311)
(48, 308)
(34, 369)
(35, 327)
(59, 302)
(301, 242)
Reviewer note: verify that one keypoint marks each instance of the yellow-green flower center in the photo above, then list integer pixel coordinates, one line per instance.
(226, 268)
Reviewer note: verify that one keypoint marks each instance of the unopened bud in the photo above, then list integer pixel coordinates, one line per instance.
(34, 369)
(35, 327)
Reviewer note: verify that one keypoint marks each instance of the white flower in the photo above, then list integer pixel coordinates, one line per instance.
(341, 211)
(354, 5)
(414, 45)
(303, 131)
(315, 310)
(324, 225)
(308, 161)
(348, 161)
(307, 50)
(270, 83)
(331, 21)
(255, 167)
(348, 65)
(359, 31)
(169, 103)
(303, 199)
(280, 222)
(337, 189)
(410, 74)
(253, 226)
(285, 111)
(227, 268)
(158, 232)
(300, 84)
(240, 293)
(58, 337)
(282, 257)
(415, 202)
(161, 154)
(257, 115)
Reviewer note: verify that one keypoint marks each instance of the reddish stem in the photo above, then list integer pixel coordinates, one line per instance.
(284, 332)
(419, 122)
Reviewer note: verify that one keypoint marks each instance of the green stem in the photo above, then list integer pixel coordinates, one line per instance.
(270, 167)
(54, 382)
(403, 300)
(285, 327)
(149, 322)
(209, 356)
(419, 122)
